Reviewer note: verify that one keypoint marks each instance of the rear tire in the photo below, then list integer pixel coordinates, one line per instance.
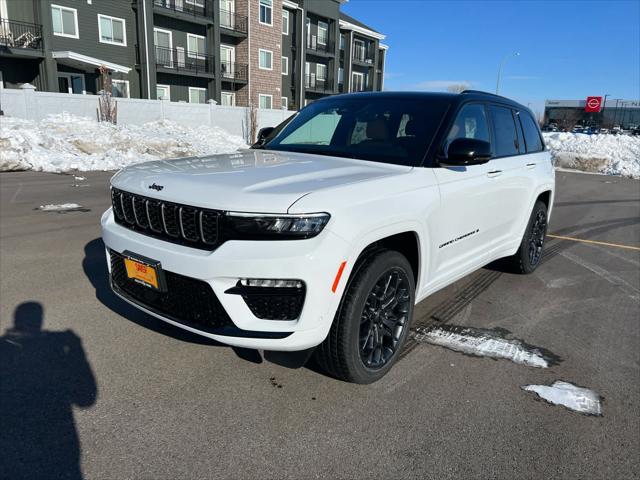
(529, 254)
(372, 322)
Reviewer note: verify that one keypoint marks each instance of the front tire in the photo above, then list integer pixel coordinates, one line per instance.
(372, 322)
(529, 254)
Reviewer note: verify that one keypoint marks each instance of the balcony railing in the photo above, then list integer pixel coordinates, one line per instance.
(362, 56)
(311, 82)
(316, 46)
(20, 34)
(180, 60)
(233, 21)
(234, 71)
(190, 7)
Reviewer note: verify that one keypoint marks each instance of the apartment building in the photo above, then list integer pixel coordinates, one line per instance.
(269, 53)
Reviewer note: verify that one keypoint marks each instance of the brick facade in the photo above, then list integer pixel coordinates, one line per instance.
(267, 37)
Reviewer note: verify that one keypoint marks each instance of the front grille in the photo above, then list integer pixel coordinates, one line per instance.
(187, 300)
(172, 222)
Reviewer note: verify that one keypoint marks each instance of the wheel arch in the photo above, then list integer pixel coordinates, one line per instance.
(405, 242)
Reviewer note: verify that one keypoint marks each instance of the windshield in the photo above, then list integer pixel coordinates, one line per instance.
(378, 129)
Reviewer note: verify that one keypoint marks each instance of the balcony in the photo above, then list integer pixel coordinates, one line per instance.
(189, 9)
(21, 38)
(234, 72)
(234, 22)
(177, 60)
(362, 58)
(319, 48)
(313, 84)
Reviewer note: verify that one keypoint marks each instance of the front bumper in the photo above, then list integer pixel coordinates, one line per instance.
(315, 261)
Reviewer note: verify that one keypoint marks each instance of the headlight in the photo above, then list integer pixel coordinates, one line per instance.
(257, 226)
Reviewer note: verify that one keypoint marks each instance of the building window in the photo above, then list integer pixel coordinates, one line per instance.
(321, 72)
(266, 11)
(285, 22)
(71, 83)
(357, 82)
(112, 30)
(285, 65)
(265, 59)
(342, 41)
(195, 46)
(197, 95)
(65, 21)
(163, 92)
(228, 99)
(284, 103)
(323, 33)
(340, 75)
(265, 101)
(120, 88)
(197, 3)
(358, 50)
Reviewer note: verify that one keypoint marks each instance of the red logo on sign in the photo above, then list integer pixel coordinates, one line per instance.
(594, 104)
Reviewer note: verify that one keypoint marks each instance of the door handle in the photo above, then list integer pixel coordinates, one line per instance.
(494, 173)
(531, 165)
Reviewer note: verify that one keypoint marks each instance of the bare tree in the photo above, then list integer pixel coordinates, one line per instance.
(569, 119)
(458, 87)
(107, 107)
(250, 124)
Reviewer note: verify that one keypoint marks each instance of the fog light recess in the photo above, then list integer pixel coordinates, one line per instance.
(272, 298)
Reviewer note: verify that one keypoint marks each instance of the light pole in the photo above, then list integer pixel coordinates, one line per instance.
(504, 59)
(604, 105)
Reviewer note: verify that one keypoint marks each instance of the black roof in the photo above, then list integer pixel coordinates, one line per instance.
(347, 18)
(452, 97)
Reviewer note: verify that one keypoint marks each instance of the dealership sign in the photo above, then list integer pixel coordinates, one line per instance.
(594, 104)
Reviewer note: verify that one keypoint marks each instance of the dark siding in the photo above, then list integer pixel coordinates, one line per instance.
(88, 42)
(179, 85)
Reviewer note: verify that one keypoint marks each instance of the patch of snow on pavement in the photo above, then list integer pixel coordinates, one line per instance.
(608, 154)
(575, 398)
(486, 343)
(64, 142)
(50, 207)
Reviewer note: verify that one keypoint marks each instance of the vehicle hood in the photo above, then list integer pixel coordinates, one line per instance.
(249, 180)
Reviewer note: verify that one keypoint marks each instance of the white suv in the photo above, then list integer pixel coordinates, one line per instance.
(328, 231)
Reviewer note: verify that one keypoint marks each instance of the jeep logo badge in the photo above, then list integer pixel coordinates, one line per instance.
(156, 187)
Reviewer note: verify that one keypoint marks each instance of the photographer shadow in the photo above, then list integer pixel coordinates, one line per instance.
(43, 375)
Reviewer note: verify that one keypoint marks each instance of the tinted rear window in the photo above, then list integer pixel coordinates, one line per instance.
(379, 129)
(504, 131)
(531, 135)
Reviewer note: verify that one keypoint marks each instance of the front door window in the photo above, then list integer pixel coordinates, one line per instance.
(163, 42)
(227, 59)
(227, 10)
(71, 83)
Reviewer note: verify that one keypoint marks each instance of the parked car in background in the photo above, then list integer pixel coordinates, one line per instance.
(324, 236)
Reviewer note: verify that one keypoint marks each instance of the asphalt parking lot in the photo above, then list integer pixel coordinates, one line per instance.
(92, 388)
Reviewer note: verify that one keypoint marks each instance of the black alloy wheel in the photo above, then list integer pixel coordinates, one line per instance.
(536, 237)
(384, 318)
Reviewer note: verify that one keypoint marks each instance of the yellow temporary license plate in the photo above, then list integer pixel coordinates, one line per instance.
(142, 273)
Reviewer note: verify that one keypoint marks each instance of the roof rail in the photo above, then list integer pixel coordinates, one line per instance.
(484, 93)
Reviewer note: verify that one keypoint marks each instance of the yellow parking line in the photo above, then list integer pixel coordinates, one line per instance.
(606, 244)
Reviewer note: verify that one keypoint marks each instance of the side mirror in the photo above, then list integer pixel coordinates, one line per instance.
(263, 133)
(467, 151)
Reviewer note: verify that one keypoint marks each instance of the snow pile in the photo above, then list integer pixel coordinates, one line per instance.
(608, 154)
(52, 207)
(64, 142)
(578, 399)
(481, 342)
